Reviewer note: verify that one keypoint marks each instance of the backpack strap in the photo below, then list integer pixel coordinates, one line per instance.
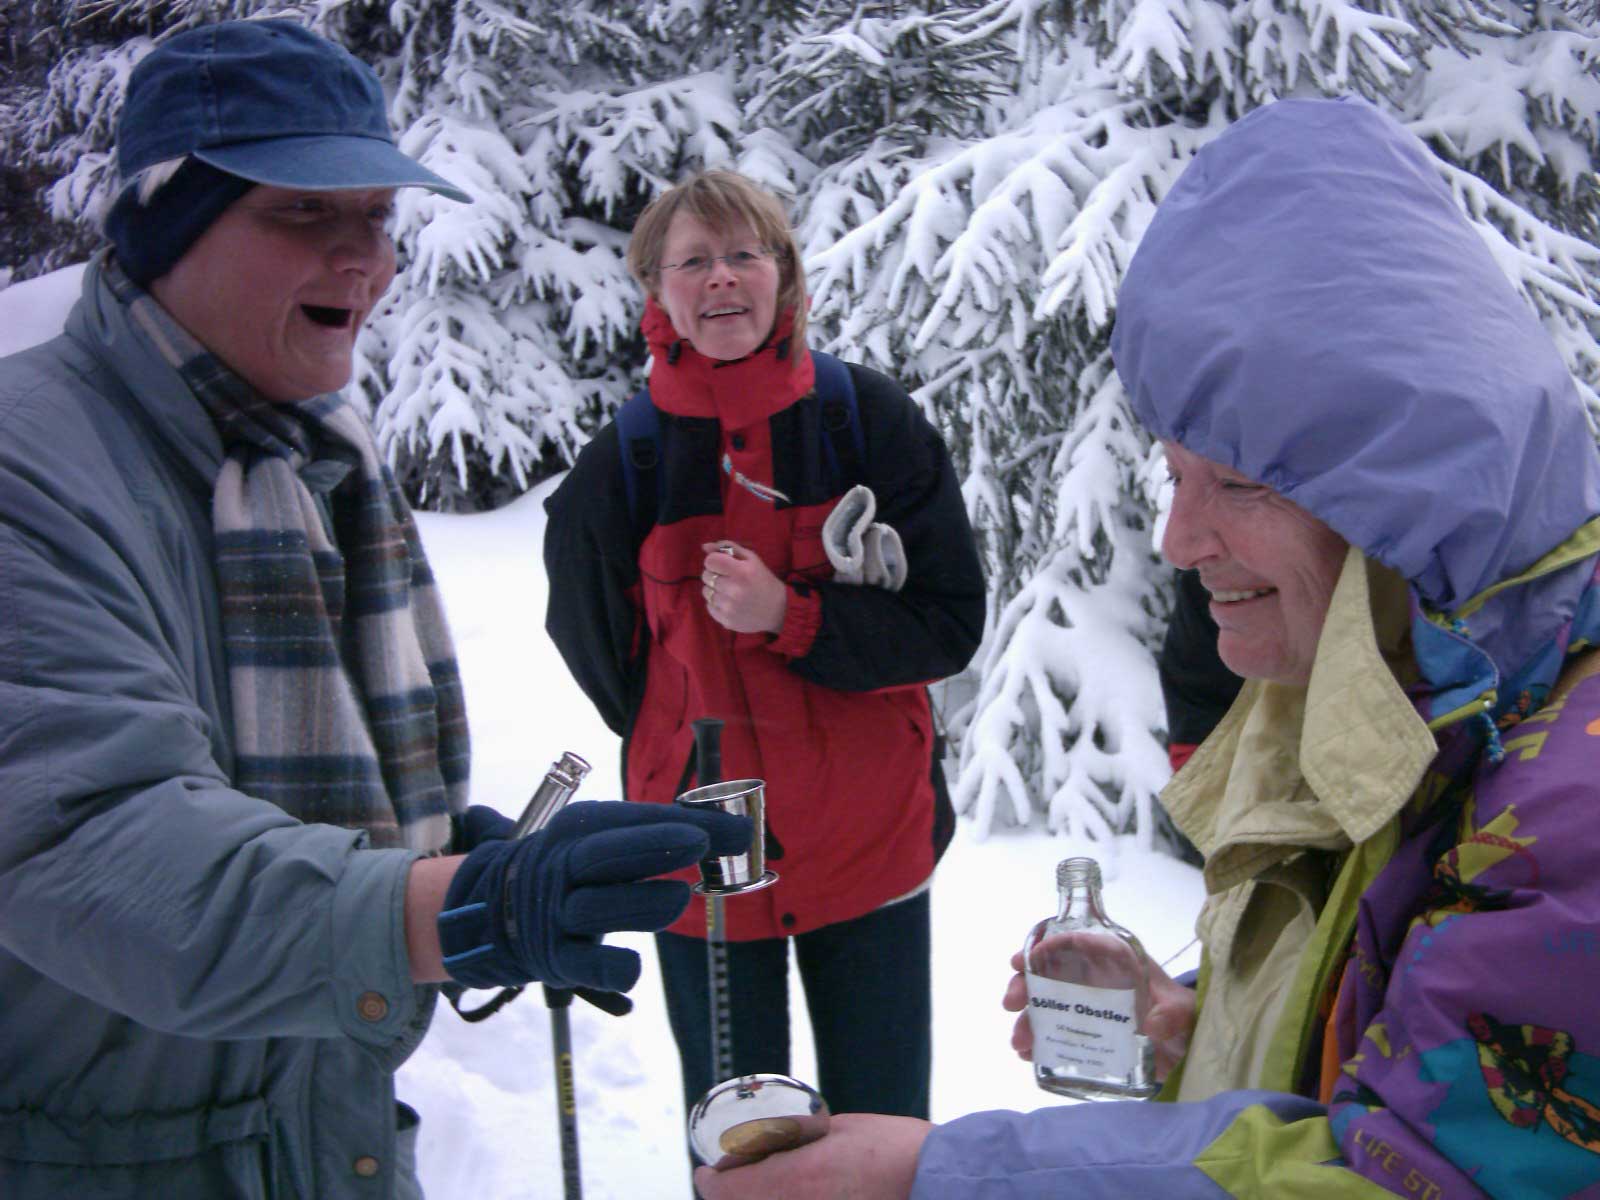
(845, 444)
(639, 441)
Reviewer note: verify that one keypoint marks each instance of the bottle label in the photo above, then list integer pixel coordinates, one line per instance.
(1080, 1029)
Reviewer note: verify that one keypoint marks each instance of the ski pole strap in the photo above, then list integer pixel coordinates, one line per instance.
(453, 992)
(614, 1003)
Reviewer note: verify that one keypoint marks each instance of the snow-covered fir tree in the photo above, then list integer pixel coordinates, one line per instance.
(66, 72)
(970, 180)
(513, 323)
(988, 279)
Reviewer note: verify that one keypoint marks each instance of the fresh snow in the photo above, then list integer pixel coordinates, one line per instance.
(35, 310)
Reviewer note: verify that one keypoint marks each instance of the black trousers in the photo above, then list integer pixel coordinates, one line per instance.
(868, 992)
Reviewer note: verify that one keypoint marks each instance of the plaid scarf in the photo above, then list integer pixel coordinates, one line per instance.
(347, 702)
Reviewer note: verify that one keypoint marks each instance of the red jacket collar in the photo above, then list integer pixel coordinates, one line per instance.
(688, 384)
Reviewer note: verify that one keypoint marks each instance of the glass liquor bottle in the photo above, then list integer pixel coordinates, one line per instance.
(1088, 995)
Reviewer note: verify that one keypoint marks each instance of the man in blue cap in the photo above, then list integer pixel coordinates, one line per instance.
(236, 855)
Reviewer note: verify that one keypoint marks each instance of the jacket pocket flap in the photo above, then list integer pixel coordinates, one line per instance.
(32, 1136)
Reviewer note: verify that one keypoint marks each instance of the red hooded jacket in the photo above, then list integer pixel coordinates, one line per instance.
(832, 712)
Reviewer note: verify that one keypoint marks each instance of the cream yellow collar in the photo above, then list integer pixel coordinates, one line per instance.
(1319, 767)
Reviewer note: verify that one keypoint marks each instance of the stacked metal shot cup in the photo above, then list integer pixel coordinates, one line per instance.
(734, 874)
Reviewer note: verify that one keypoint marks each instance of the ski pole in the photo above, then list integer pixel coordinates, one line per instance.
(553, 792)
(708, 760)
(559, 1001)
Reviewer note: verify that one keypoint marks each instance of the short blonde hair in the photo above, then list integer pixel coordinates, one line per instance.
(722, 199)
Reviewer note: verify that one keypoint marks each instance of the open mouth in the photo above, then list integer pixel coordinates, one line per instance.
(1238, 597)
(332, 318)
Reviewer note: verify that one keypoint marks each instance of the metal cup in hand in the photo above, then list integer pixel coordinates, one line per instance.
(743, 1120)
(731, 874)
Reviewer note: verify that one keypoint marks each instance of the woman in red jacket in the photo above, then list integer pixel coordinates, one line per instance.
(726, 605)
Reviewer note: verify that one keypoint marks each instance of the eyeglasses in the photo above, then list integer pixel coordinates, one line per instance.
(745, 259)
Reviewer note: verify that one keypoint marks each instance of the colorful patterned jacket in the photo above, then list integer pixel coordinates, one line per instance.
(1401, 947)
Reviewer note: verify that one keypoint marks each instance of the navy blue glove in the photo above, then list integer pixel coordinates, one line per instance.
(479, 824)
(469, 830)
(536, 908)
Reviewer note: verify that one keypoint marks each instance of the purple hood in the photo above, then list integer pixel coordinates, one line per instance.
(1310, 307)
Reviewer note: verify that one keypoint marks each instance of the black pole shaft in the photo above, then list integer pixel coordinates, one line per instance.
(560, 1001)
(708, 761)
(717, 972)
(552, 794)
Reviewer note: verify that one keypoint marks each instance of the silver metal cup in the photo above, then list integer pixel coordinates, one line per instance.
(743, 1120)
(731, 874)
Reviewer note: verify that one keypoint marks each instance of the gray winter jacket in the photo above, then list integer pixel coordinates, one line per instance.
(199, 996)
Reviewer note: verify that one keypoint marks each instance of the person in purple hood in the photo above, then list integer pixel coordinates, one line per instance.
(1387, 483)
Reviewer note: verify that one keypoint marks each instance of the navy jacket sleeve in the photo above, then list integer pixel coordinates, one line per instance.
(590, 560)
(872, 638)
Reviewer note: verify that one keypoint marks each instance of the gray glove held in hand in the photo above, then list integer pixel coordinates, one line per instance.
(860, 550)
(884, 559)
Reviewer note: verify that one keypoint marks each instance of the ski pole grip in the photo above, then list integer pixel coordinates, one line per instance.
(708, 749)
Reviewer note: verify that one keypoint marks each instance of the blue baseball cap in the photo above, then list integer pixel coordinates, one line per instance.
(269, 102)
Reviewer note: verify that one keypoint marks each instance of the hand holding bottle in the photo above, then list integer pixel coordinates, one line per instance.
(1088, 992)
(1168, 1023)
